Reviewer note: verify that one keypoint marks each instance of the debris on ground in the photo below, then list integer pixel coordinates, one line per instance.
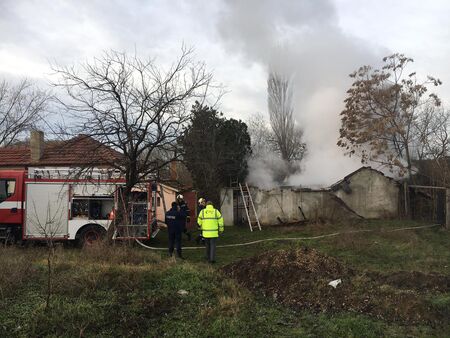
(300, 278)
(335, 283)
(183, 292)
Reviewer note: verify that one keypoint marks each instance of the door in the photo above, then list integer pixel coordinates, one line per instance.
(47, 210)
(190, 198)
(10, 208)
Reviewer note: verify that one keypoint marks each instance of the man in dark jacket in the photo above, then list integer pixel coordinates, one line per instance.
(200, 207)
(184, 211)
(174, 221)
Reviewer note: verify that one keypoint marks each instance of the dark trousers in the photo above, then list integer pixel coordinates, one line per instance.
(187, 232)
(211, 249)
(175, 239)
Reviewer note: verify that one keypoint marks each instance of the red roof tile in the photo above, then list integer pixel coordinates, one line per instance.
(82, 150)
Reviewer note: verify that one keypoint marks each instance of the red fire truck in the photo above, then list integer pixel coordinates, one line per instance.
(46, 204)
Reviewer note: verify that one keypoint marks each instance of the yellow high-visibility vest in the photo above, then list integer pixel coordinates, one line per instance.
(210, 221)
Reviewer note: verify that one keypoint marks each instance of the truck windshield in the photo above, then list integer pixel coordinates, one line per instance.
(7, 188)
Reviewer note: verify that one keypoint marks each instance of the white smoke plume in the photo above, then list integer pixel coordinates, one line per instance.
(264, 170)
(302, 39)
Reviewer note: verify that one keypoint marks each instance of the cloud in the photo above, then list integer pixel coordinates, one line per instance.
(34, 33)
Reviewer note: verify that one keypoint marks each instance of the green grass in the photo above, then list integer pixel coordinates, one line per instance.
(123, 291)
(441, 301)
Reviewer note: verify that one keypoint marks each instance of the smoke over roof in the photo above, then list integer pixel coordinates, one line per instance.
(302, 40)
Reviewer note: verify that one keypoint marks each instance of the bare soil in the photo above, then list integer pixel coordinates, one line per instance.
(299, 278)
(414, 280)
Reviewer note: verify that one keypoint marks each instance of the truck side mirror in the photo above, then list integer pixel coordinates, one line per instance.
(3, 190)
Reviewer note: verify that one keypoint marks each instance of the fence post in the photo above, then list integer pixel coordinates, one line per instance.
(405, 196)
(447, 208)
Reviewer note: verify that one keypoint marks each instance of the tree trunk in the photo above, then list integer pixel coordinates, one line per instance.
(50, 255)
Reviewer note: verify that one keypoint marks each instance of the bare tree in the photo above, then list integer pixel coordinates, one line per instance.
(287, 134)
(381, 113)
(431, 146)
(261, 136)
(22, 106)
(431, 133)
(134, 106)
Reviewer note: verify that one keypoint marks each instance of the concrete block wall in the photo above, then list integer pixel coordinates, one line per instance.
(283, 204)
(369, 194)
(372, 195)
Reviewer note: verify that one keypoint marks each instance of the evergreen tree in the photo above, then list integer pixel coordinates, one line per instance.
(215, 150)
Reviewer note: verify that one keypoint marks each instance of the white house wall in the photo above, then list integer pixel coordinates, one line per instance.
(226, 209)
(372, 195)
(170, 195)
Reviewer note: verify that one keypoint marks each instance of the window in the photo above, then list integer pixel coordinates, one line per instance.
(158, 201)
(94, 208)
(100, 208)
(80, 209)
(139, 213)
(10, 186)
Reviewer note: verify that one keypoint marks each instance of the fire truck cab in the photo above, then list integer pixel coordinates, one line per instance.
(11, 203)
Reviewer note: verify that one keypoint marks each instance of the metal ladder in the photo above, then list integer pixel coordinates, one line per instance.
(249, 207)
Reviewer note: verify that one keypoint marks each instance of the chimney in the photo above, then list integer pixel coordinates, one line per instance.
(173, 170)
(36, 145)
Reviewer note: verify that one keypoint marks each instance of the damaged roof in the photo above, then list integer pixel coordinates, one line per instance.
(346, 179)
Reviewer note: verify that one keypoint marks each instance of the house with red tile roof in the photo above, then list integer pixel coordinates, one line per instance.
(81, 151)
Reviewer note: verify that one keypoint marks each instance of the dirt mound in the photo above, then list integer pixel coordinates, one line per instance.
(300, 278)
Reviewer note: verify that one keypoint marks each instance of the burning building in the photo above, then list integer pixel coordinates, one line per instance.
(365, 193)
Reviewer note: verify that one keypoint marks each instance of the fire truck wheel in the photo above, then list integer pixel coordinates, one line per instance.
(90, 234)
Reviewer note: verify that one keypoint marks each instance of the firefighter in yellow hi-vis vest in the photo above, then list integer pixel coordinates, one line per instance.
(211, 224)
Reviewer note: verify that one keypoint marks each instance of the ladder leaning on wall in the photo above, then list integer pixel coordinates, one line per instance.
(249, 207)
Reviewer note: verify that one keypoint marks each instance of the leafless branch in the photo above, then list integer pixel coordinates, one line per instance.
(22, 107)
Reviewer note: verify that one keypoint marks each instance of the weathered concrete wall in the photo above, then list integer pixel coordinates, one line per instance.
(371, 194)
(226, 209)
(284, 203)
(365, 193)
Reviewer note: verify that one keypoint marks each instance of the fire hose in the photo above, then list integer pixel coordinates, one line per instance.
(334, 234)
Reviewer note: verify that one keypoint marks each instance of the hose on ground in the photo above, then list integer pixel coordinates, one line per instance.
(293, 238)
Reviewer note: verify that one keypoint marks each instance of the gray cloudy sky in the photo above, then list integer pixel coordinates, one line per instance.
(319, 42)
